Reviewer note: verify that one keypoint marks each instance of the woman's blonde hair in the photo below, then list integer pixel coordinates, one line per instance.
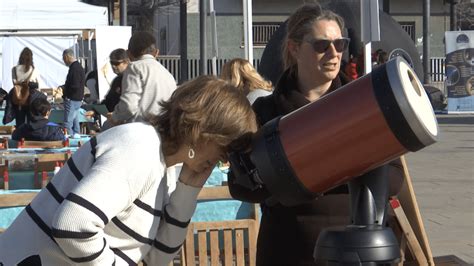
(202, 110)
(240, 73)
(300, 23)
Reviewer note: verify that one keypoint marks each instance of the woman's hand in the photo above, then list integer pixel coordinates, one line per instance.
(193, 178)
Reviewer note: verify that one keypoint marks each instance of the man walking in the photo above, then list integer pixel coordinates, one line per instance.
(145, 82)
(73, 92)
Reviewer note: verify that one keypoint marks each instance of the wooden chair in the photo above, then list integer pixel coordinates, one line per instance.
(221, 242)
(45, 163)
(15, 200)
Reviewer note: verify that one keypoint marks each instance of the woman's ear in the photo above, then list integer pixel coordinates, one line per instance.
(293, 47)
(156, 52)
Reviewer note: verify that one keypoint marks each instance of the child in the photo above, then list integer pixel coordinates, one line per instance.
(39, 128)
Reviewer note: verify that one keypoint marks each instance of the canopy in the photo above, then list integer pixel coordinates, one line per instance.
(47, 27)
(50, 15)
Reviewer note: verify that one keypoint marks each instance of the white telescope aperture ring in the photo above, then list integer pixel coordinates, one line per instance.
(413, 102)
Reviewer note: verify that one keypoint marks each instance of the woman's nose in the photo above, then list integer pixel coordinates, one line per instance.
(332, 50)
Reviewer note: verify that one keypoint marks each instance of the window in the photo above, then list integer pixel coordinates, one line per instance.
(263, 31)
(409, 27)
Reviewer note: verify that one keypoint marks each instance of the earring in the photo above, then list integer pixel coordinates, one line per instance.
(191, 153)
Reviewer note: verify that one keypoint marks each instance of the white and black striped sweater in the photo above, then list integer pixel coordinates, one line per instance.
(109, 205)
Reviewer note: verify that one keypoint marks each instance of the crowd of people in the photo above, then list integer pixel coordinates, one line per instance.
(111, 205)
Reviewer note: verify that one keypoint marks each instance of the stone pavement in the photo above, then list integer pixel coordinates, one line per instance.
(443, 179)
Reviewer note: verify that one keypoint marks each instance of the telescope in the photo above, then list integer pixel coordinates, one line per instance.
(345, 134)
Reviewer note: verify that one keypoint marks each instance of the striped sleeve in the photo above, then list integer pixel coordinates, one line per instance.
(104, 191)
(173, 228)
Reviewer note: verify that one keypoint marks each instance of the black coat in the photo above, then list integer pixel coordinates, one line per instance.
(39, 129)
(21, 114)
(288, 235)
(75, 82)
(113, 96)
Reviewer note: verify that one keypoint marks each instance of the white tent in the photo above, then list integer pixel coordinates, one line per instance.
(50, 15)
(47, 27)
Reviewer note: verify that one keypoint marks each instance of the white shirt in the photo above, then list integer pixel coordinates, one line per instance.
(145, 83)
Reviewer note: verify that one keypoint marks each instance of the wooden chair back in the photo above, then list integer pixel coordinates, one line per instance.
(221, 242)
(7, 130)
(42, 144)
(15, 200)
(45, 163)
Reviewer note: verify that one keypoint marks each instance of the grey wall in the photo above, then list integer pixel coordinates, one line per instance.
(409, 10)
(230, 24)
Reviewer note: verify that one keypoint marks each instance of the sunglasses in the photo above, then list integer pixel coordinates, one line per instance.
(321, 46)
(116, 63)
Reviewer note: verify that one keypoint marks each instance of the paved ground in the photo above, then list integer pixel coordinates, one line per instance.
(443, 178)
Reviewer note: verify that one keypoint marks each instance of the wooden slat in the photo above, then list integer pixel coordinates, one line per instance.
(189, 246)
(7, 129)
(243, 223)
(214, 193)
(239, 247)
(4, 175)
(253, 228)
(410, 206)
(228, 247)
(202, 244)
(413, 243)
(182, 257)
(215, 250)
(42, 144)
(16, 199)
(53, 157)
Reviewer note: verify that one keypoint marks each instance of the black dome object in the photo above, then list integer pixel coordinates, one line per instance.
(391, 34)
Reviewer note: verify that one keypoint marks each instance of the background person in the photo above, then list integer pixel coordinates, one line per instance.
(25, 70)
(119, 62)
(111, 203)
(145, 82)
(382, 57)
(312, 52)
(73, 93)
(17, 106)
(39, 127)
(243, 75)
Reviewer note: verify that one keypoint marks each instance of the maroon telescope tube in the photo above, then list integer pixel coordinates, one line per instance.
(346, 133)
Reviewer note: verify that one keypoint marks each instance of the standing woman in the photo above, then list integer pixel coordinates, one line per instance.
(312, 52)
(113, 203)
(17, 106)
(243, 75)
